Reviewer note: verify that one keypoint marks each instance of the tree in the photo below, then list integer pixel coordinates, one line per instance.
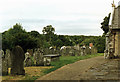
(105, 24)
(100, 44)
(65, 40)
(17, 36)
(34, 34)
(38, 37)
(48, 31)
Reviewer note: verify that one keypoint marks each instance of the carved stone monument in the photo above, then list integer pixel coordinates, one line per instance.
(83, 50)
(8, 57)
(4, 63)
(38, 57)
(17, 61)
(28, 60)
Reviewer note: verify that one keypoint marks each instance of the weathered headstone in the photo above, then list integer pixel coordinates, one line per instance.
(47, 61)
(87, 50)
(4, 63)
(30, 51)
(57, 50)
(7, 56)
(28, 60)
(4, 67)
(17, 61)
(27, 54)
(77, 47)
(52, 51)
(83, 52)
(77, 52)
(67, 51)
(63, 52)
(71, 52)
(46, 51)
(38, 57)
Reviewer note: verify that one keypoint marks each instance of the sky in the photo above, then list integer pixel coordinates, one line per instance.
(68, 17)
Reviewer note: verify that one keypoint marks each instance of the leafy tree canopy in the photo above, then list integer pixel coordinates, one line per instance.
(48, 30)
(17, 36)
(30, 40)
(105, 24)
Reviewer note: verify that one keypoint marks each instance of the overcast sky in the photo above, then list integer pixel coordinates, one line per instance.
(69, 17)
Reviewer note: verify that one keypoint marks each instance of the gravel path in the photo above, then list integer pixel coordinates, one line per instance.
(96, 68)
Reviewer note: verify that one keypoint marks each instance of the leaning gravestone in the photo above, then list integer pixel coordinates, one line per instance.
(4, 63)
(17, 61)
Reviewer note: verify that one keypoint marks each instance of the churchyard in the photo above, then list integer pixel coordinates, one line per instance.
(34, 56)
(32, 72)
(33, 60)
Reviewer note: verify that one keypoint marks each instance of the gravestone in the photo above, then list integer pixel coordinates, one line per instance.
(27, 54)
(4, 63)
(58, 50)
(63, 52)
(67, 52)
(71, 52)
(38, 57)
(52, 51)
(93, 50)
(83, 50)
(17, 61)
(28, 60)
(87, 50)
(77, 47)
(7, 55)
(30, 51)
(46, 51)
(77, 52)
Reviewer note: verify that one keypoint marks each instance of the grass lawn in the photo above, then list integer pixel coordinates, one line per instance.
(64, 60)
(32, 73)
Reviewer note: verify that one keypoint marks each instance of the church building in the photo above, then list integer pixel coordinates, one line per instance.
(113, 36)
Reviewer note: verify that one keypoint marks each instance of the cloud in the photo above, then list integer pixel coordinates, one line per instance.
(67, 16)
